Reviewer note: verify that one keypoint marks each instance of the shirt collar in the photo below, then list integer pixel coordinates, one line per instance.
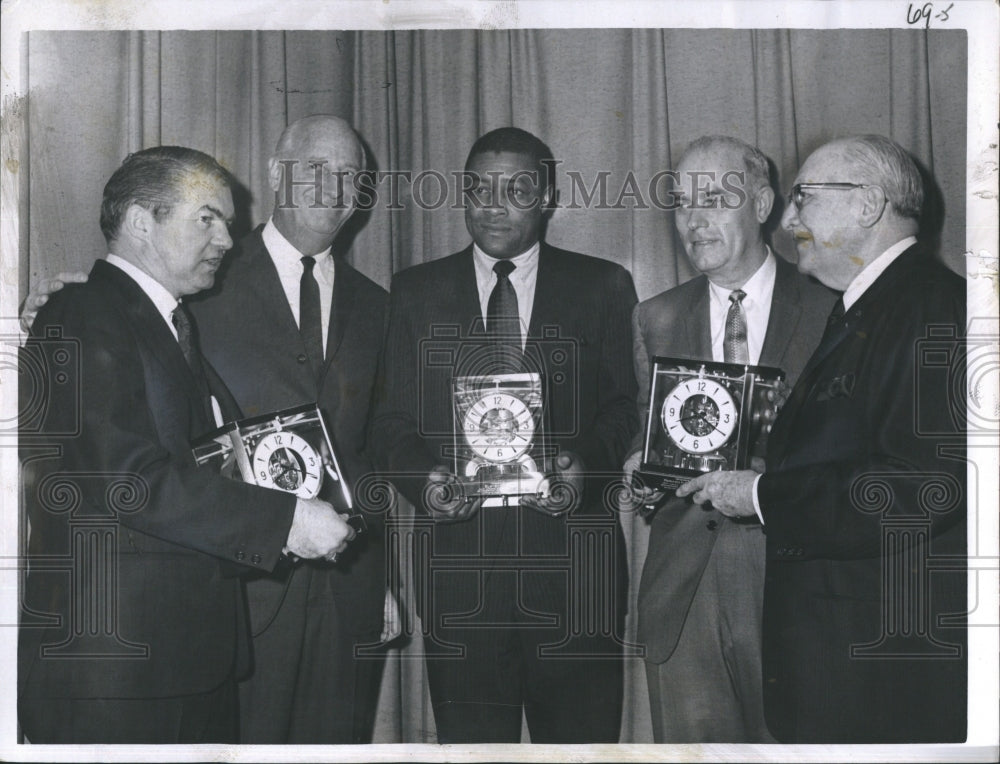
(283, 252)
(757, 288)
(164, 301)
(522, 262)
(873, 270)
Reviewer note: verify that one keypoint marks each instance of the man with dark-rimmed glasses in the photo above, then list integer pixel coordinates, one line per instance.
(863, 501)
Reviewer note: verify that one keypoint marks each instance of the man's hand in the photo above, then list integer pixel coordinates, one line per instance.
(392, 624)
(729, 492)
(36, 299)
(562, 489)
(445, 499)
(317, 531)
(647, 497)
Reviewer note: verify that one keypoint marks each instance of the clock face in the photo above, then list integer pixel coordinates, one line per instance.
(699, 415)
(285, 461)
(499, 427)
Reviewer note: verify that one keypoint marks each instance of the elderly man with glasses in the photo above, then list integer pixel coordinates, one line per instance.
(863, 500)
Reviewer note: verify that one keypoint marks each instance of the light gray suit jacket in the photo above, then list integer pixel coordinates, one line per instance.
(676, 323)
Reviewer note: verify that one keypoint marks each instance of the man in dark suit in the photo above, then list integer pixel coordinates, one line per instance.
(863, 501)
(317, 625)
(133, 620)
(702, 587)
(514, 615)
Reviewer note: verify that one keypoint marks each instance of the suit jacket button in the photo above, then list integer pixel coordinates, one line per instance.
(255, 559)
(240, 555)
(711, 525)
(302, 358)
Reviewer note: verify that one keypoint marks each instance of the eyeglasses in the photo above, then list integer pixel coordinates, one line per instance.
(798, 198)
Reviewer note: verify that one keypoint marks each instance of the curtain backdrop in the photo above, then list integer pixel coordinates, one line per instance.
(619, 102)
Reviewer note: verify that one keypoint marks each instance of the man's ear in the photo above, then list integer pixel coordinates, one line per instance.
(763, 202)
(548, 197)
(137, 222)
(873, 204)
(274, 173)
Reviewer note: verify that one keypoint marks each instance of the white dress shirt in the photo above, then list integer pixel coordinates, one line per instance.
(288, 262)
(522, 278)
(759, 289)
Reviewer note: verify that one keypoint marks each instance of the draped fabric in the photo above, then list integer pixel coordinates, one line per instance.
(616, 106)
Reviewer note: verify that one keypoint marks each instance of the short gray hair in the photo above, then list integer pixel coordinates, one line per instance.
(885, 163)
(758, 170)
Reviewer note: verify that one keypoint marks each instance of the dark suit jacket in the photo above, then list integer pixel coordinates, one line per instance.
(676, 323)
(579, 330)
(866, 457)
(249, 334)
(118, 427)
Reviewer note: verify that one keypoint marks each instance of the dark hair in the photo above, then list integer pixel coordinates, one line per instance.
(517, 141)
(153, 179)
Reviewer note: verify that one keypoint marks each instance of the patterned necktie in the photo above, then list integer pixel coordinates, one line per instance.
(734, 344)
(188, 341)
(503, 325)
(310, 317)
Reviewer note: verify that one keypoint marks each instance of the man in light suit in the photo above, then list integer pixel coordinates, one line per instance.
(317, 625)
(134, 626)
(700, 597)
(863, 501)
(497, 587)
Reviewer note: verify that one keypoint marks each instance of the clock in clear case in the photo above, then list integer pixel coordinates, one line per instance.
(703, 416)
(498, 436)
(288, 450)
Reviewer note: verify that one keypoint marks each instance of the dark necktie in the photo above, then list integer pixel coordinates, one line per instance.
(310, 318)
(734, 344)
(188, 341)
(836, 318)
(503, 324)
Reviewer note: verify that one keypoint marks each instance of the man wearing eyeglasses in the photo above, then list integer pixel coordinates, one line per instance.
(863, 501)
(701, 593)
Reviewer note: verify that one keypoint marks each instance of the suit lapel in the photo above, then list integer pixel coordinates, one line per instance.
(854, 322)
(463, 289)
(698, 324)
(546, 307)
(150, 328)
(340, 312)
(783, 320)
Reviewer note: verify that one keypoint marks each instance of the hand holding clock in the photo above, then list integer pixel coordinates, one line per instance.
(317, 531)
(730, 492)
(562, 487)
(445, 498)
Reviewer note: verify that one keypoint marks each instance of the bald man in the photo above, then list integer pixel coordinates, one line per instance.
(291, 324)
(288, 325)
